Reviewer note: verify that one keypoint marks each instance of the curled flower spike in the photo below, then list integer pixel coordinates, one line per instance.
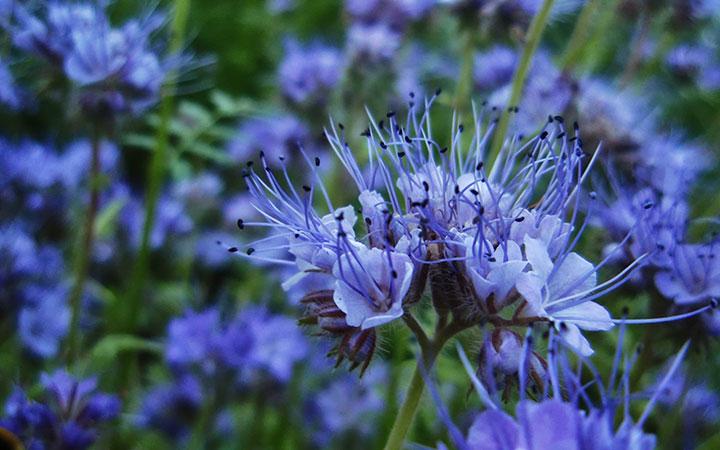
(493, 244)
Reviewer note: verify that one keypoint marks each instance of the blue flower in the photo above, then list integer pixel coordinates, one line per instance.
(278, 136)
(485, 239)
(44, 321)
(68, 417)
(308, 74)
(10, 94)
(171, 408)
(494, 67)
(115, 69)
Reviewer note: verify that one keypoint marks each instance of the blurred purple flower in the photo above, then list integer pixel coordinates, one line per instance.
(307, 74)
(278, 136)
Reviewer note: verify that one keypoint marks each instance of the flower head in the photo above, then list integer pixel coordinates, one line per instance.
(491, 242)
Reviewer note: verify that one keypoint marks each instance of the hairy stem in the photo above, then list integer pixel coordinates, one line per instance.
(156, 173)
(82, 260)
(537, 26)
(406, 414)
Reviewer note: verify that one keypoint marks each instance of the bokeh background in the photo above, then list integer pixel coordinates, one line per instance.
(641, 77)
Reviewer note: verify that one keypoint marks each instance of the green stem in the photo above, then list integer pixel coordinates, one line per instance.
(464, 86)
(581, 34)
(82, 260)
(406, 414)
(537, 26)
(156, 173)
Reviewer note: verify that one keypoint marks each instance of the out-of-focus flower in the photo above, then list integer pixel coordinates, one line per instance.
(10, 94)
(694, 274)
(44, 320)
(69, 415)
(373, 43)
(398, 13)
(279, 136)
(172, 408)
(171, 219)
(115, 69)
(307, 74)
(494, 67)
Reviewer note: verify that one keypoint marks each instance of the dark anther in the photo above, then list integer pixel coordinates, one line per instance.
(625, 311)
(559, 119)
(317, 161)
(233, 249)
(461, 128)
(550, 119)
(368, 221)
(390, 114)
(249, 163)
(438, 91)
(576, 126)
(457, 189)
(401, 154)
(341, 126)
(474, 192)
(241, 224)
(381, 124)
(306, 188)
(519, 219)
(543, 135)
(340, 217)
(648, 205)
(479, 166)
(443, 150)
(394, 274)
(366, 133)
(426, 186)
(383, 145)
(250, 251)
(561, 135)
(407, 139)
(412, 94)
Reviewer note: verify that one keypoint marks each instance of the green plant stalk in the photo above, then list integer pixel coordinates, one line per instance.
(82, 259)
(583, 31)
(156, 173)
(430, 352)
(598, 42)
(537, 26)
(464, 86)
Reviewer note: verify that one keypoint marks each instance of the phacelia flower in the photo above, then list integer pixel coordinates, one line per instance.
(277, 136)
(487, 240)
(308, 74)
(494, 67)
(115, 69)
(68, 416)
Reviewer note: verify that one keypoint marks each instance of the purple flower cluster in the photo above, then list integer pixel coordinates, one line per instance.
(307, 74)
(115, 69)
(205, 352)
(67, 417)
(491, 242)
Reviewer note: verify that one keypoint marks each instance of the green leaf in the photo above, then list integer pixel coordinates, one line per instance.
(111, 346)
(209, 152)
(106, 218)
(224, 103)
(194, 116)
(140, 141)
